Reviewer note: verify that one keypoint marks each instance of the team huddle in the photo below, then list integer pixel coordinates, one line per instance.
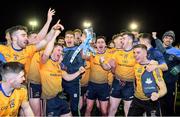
(38, 79)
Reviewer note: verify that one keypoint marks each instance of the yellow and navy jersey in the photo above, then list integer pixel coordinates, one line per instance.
(9, 105)
(85, 77)
(51, 78)
(33, 74)
(139, 71)
(97, 73)
(125, 62)
(23, 56)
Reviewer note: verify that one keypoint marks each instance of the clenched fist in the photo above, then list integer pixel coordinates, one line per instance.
(154, 96)
(81, 70)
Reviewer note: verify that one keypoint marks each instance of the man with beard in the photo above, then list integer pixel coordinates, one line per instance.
(172, 58)
(19, 51)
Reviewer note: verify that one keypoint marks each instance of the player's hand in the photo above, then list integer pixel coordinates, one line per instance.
(58, 26)
(102, 59)
(151, 66)
(81, 70)
(112, 63)
(57, 32)
(154, 96)
(51, 12)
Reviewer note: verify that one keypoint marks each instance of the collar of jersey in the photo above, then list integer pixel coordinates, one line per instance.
(1, 89)
(128, 50)
(16, 49)
(70, 48)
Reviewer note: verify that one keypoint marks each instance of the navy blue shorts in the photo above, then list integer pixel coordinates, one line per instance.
(123, 90)
(98, 91)
(56, 107)
(35, 90)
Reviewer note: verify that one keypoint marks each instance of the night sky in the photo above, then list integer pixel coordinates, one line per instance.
(108, 17)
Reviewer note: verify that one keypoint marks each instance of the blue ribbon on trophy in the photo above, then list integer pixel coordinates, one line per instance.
(85, 46)
(2, 58)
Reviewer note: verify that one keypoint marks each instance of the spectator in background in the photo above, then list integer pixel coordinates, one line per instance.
(153, 53)
(77, 34)
(61, 41)
(172, 59)
(168, 38)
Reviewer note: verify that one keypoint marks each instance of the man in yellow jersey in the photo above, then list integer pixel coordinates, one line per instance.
(34, 85)
(35, 80)
(98, 87)
(18, 50)
(51, 80)
(13, 95)
(117, 39)
(33, 75)
(123, 66)
(149, 86)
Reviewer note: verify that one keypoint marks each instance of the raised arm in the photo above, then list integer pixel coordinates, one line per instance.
(45, 28)
(49, 47)
(41, 35)
(158, 42)
(49, 36)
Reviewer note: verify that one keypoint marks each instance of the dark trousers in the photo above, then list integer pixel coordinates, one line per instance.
(168, 101)
(72, 89)
(138, 107)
